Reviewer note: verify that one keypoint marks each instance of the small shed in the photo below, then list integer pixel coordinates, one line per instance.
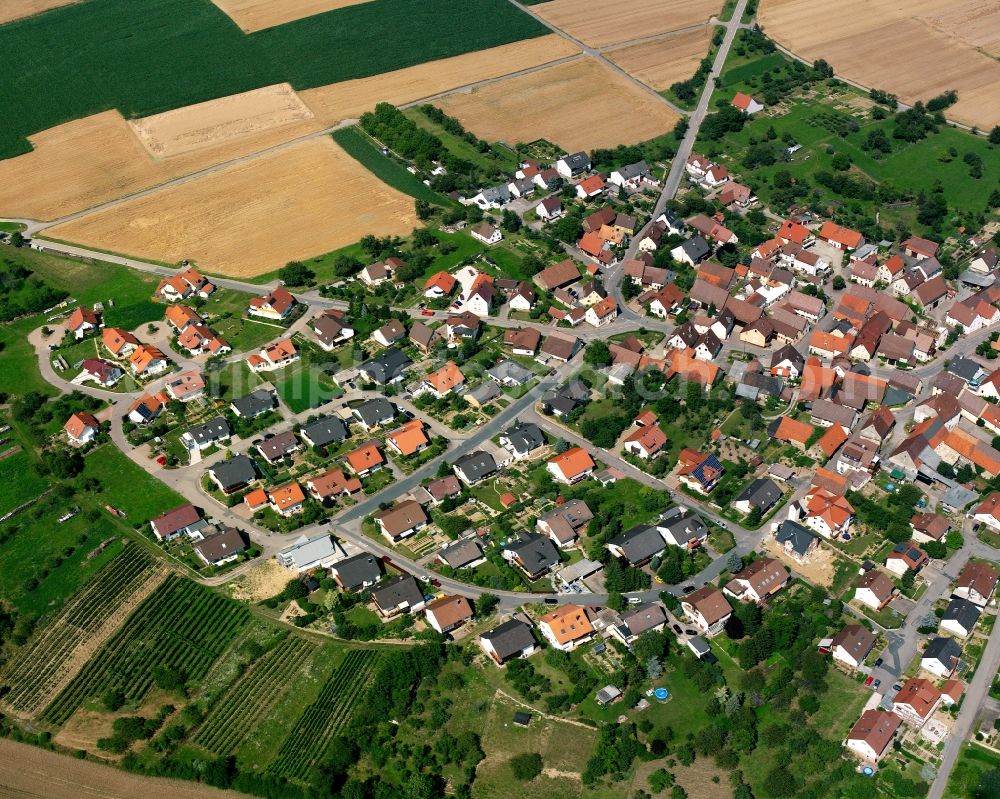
(522, 719)
(607, 695)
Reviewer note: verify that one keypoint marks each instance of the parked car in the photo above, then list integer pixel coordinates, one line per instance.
(878, 663)
(877, 683)
(869, 679)
(687, 589)
(677, 628)
(551, 601)
(897, 687)
(427, 312)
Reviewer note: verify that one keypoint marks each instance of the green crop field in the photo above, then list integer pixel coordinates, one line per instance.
(36, 668)
(363, 150)
(181, 625)
(93, 56)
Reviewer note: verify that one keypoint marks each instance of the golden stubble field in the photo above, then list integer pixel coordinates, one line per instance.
(582, 104)
(253, 217)
(255, 15)
(26, 771)
(914, 48)
(614, 21)
(90, 161)
(662, 62)
(16, 9)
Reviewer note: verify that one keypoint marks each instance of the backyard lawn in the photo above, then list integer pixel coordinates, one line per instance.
(127, 487)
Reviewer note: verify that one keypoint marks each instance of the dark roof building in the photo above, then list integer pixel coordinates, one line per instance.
(534, 553)
(357, 572)
(511, 639)
(375, 413)
(253, 404)
(233, 474)
(638, 545)
(388, 366)
(325, 430)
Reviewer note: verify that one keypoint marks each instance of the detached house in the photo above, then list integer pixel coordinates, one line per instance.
(875, 590)
(148, 361)
(571, 466)
(851, 645)
(905, 556)
(708, 609)
(512, 639)
(564, 524)
(746, 104)
(448, 613)
(120, 342)
(82, 322)
(566, 628)
(185, 520)
(871, 735)
(977, 582)
(183, 285)
(274, 356)
(941, 657)
(81, 428)
(276, 305)
(916, 701)
(402, 520)
(330, 329)
(757, 582)
(960, 617)
(699, 472)
(534, 554)
(376, 274)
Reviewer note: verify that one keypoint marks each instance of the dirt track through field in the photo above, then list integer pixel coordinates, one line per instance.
(26, 771)
(916, 49)
(18, 9)
(94, 160)
(579, 105)
(255, 15)
(661, 62)
(601, 24)
(254, 217)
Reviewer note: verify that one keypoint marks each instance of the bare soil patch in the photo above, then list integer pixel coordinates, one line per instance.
(579, 105)
(885, 44)
(819, 569)
(696, 780)
(662, 62)
(28, 771)
(255, 15)
(260, 582)
(18, 9)
(195, 127)
(601, 24)
(255, 216)
(93, 160)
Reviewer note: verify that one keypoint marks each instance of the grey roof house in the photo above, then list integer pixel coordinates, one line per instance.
(233, 474)
(389, 366)
(309, 553)
(475, 467)
(510, 640)
(375, 413)
(398, 595)
(638, 545)
(521, 439)
(203, 436)
(357, 572)
(323, 431)
(254, 404)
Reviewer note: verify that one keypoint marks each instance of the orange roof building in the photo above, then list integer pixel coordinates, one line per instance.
(408, 439)
(81, 427)
(180, 316)
(571, 466)
(791, 431)
(566, 627)
(832, 440)
(825, 512)
(365, 459)
(794, 232)
(287, 499)
(439, 284)
(118, 341)
(444, 380)
(646, 442)
(332, 483)
(256, 499)
(148, 360)
(840, 236)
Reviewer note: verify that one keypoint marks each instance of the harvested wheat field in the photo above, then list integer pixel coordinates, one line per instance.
(255, 15)
(29, 771)
(195, 127)
(350, 99)
(578, 106)
(253, 217)
(18, 9)
(90, 161)
(662, 62)
(885, 44)
(99, 158)
(601, 24)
